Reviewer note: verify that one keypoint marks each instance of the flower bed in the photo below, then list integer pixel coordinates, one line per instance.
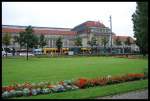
(32, 89)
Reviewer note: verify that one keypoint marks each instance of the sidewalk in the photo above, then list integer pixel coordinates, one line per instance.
(140, 94)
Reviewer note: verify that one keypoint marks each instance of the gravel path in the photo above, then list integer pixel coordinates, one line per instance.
(140, 94)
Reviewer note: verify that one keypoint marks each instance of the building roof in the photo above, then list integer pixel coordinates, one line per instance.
(123, 38)
(39, 30)
(93, 24)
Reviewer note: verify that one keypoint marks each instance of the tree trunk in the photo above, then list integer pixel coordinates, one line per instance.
(20, 49)
(42, 49)
(59, 51)
(6, 51)
(27, 51)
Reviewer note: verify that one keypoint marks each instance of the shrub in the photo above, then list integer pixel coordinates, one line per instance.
(19, 93)
(12, 93)
(136, 76)
(34, 92)
(5, 94)
(146, 72)
(26, 92)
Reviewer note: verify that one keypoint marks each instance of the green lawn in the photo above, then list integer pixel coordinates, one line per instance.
(56, 69)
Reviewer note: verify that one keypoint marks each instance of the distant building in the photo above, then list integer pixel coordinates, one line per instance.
(51, 34)
(90, 29)
(123, 39)
(86, 31)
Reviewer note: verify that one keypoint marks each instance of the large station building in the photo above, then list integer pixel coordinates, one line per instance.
(84, 30)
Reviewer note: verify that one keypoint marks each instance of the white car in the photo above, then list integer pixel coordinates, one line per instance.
(9, 54)
(25, 54)
(4, 53)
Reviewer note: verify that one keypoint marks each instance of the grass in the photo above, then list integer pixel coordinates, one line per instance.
(55, 69)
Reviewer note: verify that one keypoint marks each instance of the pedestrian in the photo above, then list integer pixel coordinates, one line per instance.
(13, 51)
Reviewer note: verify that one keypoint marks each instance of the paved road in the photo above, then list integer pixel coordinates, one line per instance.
(140, 94)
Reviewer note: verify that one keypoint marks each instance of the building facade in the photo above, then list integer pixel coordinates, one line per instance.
(51, 35)
(90, 29)
(86, 31)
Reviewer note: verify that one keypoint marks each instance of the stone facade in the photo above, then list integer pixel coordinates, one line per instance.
(86, 31)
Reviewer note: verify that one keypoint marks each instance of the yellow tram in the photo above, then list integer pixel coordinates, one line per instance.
(55, 50)
(86, 50)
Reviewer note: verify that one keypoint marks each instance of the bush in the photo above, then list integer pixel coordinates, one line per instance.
(146, 72)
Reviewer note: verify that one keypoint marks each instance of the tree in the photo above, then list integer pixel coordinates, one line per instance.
(20, 39)
(92, 43)
(6, 40)
(59, 44)
(140, 22)
(118, 41)
(42, 41)
(78, 41)
(128, 42)
(34, 41)
(28, 39)
(104, 41)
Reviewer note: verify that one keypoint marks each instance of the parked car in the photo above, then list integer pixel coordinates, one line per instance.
(8, 50)
(37, 51)
(3, 52)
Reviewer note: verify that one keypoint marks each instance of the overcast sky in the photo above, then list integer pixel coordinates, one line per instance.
(70, 14)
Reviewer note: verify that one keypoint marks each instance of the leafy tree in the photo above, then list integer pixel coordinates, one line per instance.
(20, 39)
(42, 41)
(59, 44)
(6, 40)
(92, 43)
(24, 40)
(78, 41)
(118, 41)
(140, 22)
(128, 41)
(104, 41)
(34, 41)
(28, 39)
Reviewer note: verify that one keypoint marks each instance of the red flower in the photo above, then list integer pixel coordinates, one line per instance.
(136, 75)
(81, 82)
(8, 88)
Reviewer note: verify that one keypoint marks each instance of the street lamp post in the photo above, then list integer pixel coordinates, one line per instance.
(111, 34)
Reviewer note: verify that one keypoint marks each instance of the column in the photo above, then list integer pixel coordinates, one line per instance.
(67, 43)
(52, 43)
(49, 43)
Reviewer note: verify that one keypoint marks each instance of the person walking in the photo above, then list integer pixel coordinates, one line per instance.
(13, 51)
